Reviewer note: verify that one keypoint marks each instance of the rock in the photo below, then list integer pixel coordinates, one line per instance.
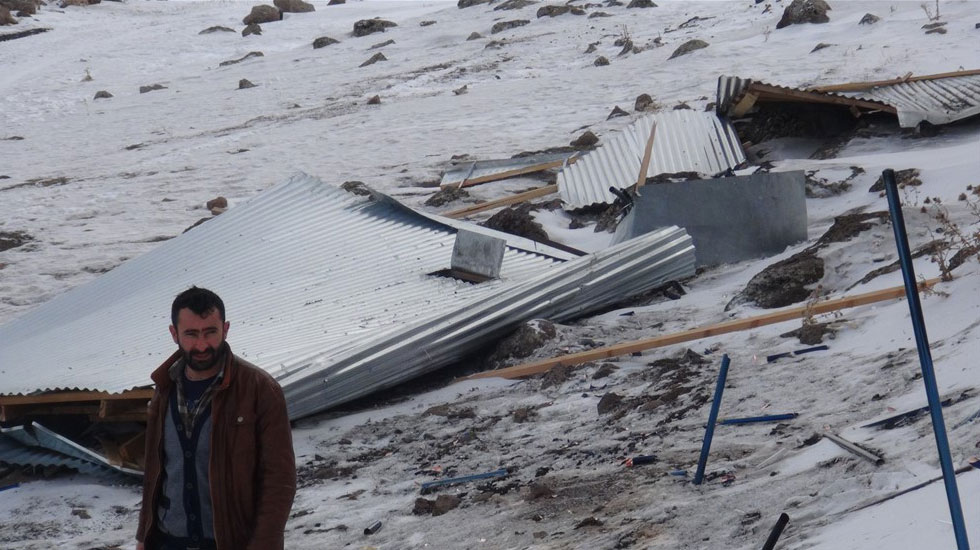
(240, 59)
(643, 102)
(604, 370)
(600, 61)
(505, 25)
(445, 196)
(461, 90)
(102, 94)
(514, 5)
(263, 13)
(467, 3)
(523, 342)
(592, 47)
(616, 112)
(820, 46)
(445, 503)
(556, 376)
(869, 19)
(293, 6)
(382, 44)
(423, 506)
(688, 47)
(517, 220)
(81, 513)
(811, 334)
(554, 11)
(537, 490)
(909, 176)
(682, 107)
(584, 141)
(13, 239)
(474, 36)
(151, 88)
(937, 30)
(426, 23)
(595, 14)
(356, 187)
(324, 41)
(216, 28)
(66, 3)
(336, 2)
(848, 226)
(784, 283)
(22, 7)
(254, 28)
(374, 59)
(804, 11)
(244, 84)
(936, 25)
(365, 27)
(374, 100)
(217, 205)
(590, 521)
(641, 4)
(609, 403)
(5, 17)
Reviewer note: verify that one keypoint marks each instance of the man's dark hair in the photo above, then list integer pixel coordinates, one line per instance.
(199, 300)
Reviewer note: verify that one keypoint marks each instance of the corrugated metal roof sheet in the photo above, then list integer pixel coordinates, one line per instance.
(686, 141)
(13, 451)
(465, 172)
(938, 100)
(313, 278)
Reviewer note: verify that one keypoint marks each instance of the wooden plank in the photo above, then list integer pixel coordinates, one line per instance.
(641, 178)
(511, 173)
(132, 450)
(74, 396)
(744, 104)
(860, 86)
(506, 201)
(627, 348)
(9, 413)
(774, 93)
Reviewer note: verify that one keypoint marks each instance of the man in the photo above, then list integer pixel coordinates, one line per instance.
(220, 471)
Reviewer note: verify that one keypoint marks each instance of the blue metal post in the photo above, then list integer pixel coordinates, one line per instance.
(925, 359)
(712, 418)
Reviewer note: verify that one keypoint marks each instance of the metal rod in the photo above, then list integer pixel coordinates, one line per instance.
(772, 358)
(925, 359)
(712, 418)
(848, 446)
(496, 473)
(777, 530)
(753, 419)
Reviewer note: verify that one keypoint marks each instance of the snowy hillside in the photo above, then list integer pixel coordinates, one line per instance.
(86, 184)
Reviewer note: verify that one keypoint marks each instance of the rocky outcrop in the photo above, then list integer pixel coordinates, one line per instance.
(263, 13)
(365, 27)
(804, 11)
(293, 6)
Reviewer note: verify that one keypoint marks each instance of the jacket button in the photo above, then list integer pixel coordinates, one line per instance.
(188, 454)
(241, 419)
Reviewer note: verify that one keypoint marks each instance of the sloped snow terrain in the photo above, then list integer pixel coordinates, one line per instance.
(86, 184)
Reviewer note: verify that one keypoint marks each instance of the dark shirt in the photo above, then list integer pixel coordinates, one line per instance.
(194, 389)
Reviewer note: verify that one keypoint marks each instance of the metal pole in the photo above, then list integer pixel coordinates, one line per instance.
(753, 419)
(777, 530)
(925, 359)
(712, 418)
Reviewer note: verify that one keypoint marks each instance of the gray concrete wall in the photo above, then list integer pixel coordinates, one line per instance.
(729, 219)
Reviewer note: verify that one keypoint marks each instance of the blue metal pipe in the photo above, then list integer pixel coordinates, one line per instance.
(753, 419)
(925, 359)
(431, 484)
(709, 432)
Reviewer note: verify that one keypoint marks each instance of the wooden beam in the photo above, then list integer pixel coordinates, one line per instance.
(506, 201)
(9, 413)
(74, 396)
(744, 104)
(859, 86)
(774, 93)
(511, 173)
(641, 178)
(627, 348)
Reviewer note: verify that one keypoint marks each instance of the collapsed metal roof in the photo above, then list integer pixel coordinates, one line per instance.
(686, 141)
(472, 172)
(332, 294)
(937, 99)
(35, 445)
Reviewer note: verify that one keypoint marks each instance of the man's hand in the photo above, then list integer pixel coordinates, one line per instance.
(140, 546)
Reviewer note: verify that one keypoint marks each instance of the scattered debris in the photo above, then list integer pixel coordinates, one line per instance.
(873, 458)
(240, 59)
(430, 485)
(505, 25)
(778, 356)
(374, 59)
(365, 27)
(518, 221)
(16, 35)
(324, 41)
(688, 47)
(382, 44)
(804, 11)
(373, 528)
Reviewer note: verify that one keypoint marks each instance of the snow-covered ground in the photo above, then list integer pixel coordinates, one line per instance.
(138, 168)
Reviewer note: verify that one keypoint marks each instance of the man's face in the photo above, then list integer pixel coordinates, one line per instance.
(199, 337)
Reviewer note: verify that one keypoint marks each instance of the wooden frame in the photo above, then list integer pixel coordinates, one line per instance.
(127, 406)
(506, 201)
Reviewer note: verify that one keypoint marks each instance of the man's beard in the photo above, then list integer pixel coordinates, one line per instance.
(205, 360)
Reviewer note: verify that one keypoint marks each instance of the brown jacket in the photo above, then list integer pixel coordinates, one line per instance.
(252, 468)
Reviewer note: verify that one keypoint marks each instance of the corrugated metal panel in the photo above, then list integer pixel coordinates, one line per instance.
(686, 141)
(938, 101)
(15, 453)
(730, 88)
(479, 169)
(36, 435)
(318, 282)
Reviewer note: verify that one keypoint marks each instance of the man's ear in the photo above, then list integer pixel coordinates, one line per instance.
(173, 334)
(227, 326)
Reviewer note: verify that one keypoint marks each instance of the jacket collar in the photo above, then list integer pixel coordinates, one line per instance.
(161, 376)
